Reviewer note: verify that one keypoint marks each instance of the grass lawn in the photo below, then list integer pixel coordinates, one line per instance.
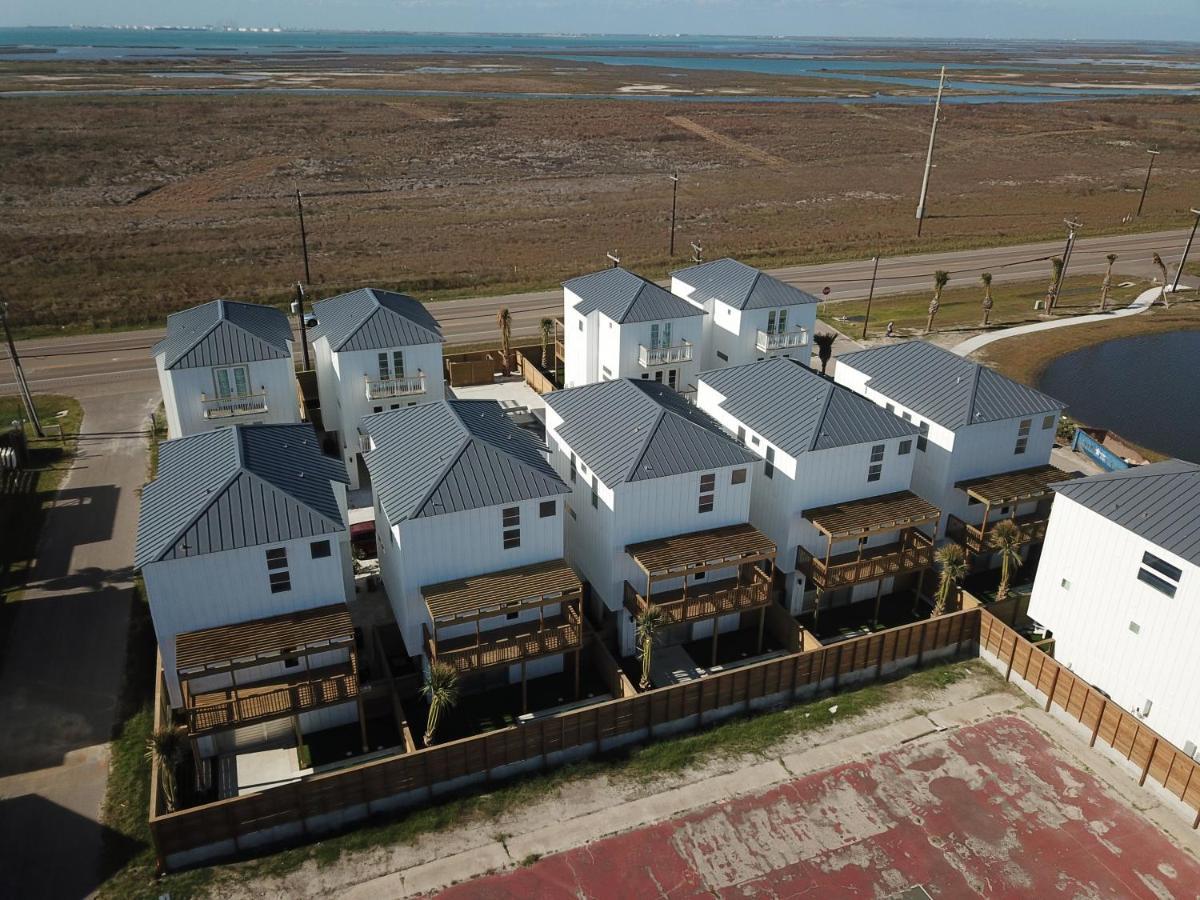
(754, 734)
(960, 308)
(27, 493)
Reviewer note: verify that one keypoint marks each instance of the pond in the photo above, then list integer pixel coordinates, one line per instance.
(1144, 388)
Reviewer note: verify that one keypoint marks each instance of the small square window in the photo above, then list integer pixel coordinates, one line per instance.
(1047, 423)
(1065, 585)
(512, 539)
(923, 437)
(741, 435)
(1022, 444)
(907, 417)
(877, 453)
(722, 357)
(905, 447)
(738, 477)
(891, 407)
(547, 508)
(874, 473)
(277, 558)
(280, 582)
(512, 616)
(1026, 424)
(319, 549)
(1135, 627)
(511, 516)
(377, 409)
(754, 441)
(290, 661)
(708, 482)
(394, 406)
(706, 504)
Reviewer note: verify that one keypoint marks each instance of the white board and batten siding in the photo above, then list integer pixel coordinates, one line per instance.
(1123, 635)
(183, 390)
(233, 586)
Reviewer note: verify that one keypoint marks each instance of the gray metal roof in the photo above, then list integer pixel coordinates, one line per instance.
(224, 332)
(452, 456)
(235, 487)
(373, 319)
(740, 286)
(633, 430)
(625, 297)
(796, 409)
(944, 387)
(1159, 502)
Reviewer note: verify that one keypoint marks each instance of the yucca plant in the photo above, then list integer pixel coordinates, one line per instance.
(441, 690)
(1106, 285)
(504, 322)
(1056, 269)
(1005, 539)
(1162, 267)
(166, 746)
(952, 568)
(940, 279)
(824, 342)
(986, 278)
(647, 627)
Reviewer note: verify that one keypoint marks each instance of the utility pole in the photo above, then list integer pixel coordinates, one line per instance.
(1186, 248)
(1146, 183)
(614, 259)
(937, 108)
(303, 324)
(1072, 227)
(303, 237)
(674, 195)
(19, 373)
(697, 253)
(870, 295)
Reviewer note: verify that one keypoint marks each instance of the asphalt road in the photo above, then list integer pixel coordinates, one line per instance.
(113, 363)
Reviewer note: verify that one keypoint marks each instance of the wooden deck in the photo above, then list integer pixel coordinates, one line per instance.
(974, 538)
(562, 633)
(911, 553)
(1015, 487)
(704, 602)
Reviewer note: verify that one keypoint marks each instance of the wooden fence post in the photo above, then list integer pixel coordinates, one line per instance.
(1053, 686)
(1149, 760)
(1099, 719)
(1011, 657)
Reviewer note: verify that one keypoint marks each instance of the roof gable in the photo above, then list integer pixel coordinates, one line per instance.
(453, 456)
(798, 410)
(944, 387)
(374, 319)
(224, 332)
(1159, 502)
(740, 286)
(626, 297)
(634, 430)
(237, 487)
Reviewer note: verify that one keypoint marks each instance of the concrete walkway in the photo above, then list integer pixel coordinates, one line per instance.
(62, 659)
(1142, 303)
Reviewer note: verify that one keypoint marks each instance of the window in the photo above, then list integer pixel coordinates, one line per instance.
(277, 558)
(645, 376)
(280, 582)
(546, 509)
(658, 376)
(394, 406)
(1135, 627)
(512, 616)
(1023, 436)
(891, 407)
(1065, 584)
(290, 660)
(1047, 423)
(905, 447)
(777, 322)
(1022, 444)
(923, 437)
(742, 435)
(907, 417)
(232, 381)
(754, 441)
(377, 409)
(738, 477)
(875, 469)
(319, 549)
(672, 378)
(391, 366)
(769, 465)
(595, 494)
(607, 372)
(511, 520)
(571, 512)
(574, 473)
(660, 335)
(708, 487)
(1159, 574)
(722, 357)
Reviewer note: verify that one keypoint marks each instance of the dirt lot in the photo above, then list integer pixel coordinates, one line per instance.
(117, 210)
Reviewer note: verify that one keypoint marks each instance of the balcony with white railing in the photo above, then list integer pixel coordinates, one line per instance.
(662, 356)
(781, 340)
(400, 386)
(229, 407)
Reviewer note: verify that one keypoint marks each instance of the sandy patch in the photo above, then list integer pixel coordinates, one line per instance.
(651, 89)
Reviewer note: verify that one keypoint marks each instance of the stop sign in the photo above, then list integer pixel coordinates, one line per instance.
(825, 290)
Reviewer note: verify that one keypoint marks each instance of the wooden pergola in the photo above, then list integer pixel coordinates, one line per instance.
(741, 547)
(475, 599)
(291, 637)
(1007, 489)
(903, 512)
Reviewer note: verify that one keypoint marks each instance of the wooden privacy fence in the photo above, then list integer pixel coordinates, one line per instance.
(1157, 757)
(533, 375)
(323, 802)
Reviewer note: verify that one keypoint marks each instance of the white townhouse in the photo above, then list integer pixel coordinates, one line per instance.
(243, 546)
(470, 541)
(659, 512)
(751, 316)
(1118, 585)
(983, 451)
(223, 362)
(834, 491)
(375, 351)
(619, 325)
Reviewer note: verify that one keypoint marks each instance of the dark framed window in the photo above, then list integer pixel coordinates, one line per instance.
(574, 473)
(742, 435)
(1159, 574)
(1162, 567)
(923, 437)
(1159, 584)
(511, 520)
(874, 473)
(320, 549)
(1022, 445)
(280, 582)
(1047, 423)
(738, 476)
(877, 453)
(277, 558)
(290, 660)
(547, 508)
(722, 357)
(708, 489)
(595, 494)
(769, 464)
(905, 447)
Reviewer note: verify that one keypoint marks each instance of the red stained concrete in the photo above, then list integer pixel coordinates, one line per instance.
(989, 810)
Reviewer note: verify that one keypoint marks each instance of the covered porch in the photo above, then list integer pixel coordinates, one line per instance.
(741, 548)
(458, 609)
(1001, 497)
(305, 661)
(902, 513)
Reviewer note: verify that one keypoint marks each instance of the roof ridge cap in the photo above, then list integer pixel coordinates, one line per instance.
(812, 444)
(978, 373)
(650, 432)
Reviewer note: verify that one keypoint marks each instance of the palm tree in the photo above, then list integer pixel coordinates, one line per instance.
(824, 342)
(986, 278)
(952, 566)
(1056, 268)
(940, 278)
(167, 747)
(547, 334)
(504, 321)
(647, 625)
(1005, 539)
(1162, 267)
(1104, 288)
(441, 690)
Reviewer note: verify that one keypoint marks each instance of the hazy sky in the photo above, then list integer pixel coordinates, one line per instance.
(1111, 19)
